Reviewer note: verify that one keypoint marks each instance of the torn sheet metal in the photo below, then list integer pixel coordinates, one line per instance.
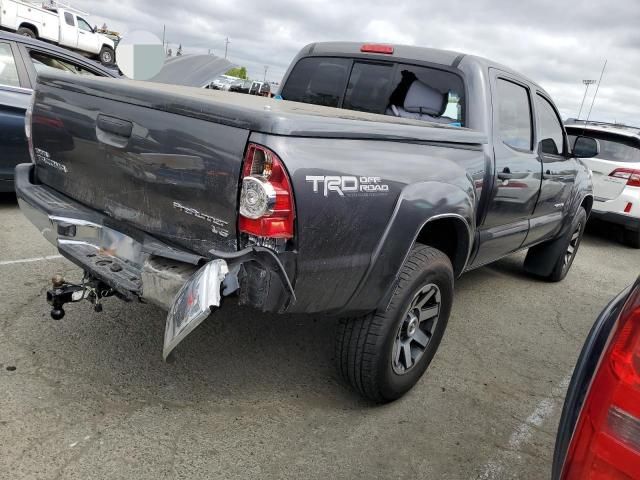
(193, 303)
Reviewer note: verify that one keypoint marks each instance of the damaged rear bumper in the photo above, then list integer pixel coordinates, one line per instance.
(137, 265)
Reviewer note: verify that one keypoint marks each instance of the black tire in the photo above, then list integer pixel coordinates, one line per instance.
(632, 238)
(368, 348)
(563, 249)
(27, 32)
(107, 56)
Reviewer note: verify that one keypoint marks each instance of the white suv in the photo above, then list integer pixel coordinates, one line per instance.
(616, 174)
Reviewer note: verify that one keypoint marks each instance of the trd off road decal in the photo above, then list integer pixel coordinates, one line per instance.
(347, 185)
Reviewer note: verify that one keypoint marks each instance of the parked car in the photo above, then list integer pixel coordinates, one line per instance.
(262, 89)
(22, 59)
(304, 208)
(241, 86)
(222, 82)
(616, 174)
(62, 26)
(599, 432)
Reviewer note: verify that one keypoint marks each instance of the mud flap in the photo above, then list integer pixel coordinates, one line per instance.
(194, 303)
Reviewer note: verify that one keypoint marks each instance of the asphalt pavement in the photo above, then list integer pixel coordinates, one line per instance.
(250, 395)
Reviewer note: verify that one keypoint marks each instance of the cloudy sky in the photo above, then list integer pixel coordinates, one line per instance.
(557, 43)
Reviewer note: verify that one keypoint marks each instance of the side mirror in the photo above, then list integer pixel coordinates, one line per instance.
(586, 147)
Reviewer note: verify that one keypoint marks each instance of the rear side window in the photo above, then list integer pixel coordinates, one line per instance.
(514, 114)
(43, 61)
(617, 149)
(8, 71)
(69, 19)
(317, 80)
(549, 128)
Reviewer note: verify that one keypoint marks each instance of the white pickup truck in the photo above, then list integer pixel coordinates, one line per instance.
(58, 25)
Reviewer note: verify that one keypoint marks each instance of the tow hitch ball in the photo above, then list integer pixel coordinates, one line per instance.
(63, 292)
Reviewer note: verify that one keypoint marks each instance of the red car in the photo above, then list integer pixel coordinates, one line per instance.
(599, 432)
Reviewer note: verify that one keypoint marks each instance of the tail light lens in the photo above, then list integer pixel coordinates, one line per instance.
(606, 441)
(266, 198)
(631, 175)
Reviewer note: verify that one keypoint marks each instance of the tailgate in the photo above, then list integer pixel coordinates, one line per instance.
(173, 176)
(606, 187)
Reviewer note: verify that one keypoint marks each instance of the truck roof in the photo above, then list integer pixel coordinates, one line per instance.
(407, 54)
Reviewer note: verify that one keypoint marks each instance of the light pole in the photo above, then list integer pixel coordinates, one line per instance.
(586, 83)
(226, 46)
(266, 67)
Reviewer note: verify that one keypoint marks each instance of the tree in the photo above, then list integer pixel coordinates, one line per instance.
(240, 72)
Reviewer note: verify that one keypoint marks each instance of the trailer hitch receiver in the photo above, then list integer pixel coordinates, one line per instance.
(62, 292)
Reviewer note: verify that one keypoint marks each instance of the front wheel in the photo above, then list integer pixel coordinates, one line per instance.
(561, 252)
(384, 354)
(107, 56)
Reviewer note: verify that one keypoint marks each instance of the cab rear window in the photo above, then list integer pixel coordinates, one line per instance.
(389, 88)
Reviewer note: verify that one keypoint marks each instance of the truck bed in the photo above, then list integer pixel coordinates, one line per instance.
(260, 114)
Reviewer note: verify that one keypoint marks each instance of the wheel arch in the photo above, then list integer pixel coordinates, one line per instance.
(31, 27)
(587, 204)
(451, 234)
(422, 212)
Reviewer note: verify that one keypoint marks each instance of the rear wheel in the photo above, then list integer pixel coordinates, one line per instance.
(27, 32)
(107, 56)
(632, 238)
(383, 355)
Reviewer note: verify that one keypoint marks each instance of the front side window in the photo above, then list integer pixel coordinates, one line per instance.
(83, 25)
(514, 115)
(8, 70)
(68, 18)
(550, 133)
(43, 61)
(317, 80)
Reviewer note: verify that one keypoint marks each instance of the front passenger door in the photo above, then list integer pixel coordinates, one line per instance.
(558, 172)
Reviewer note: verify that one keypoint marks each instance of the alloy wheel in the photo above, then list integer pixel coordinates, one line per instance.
(573, 246)
(416, 329)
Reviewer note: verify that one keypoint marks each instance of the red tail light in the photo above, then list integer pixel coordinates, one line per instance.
(606, 441)
(376, 48)
(266, 199)
(632, 176)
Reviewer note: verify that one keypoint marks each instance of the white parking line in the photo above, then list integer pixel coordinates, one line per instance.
(29, 260)
(494, 468)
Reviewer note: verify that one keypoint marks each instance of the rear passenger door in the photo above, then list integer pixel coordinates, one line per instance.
(516, 181)
(558, 171)
(15, 96)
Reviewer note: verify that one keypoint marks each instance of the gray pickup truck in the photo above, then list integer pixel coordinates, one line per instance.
(385, 173)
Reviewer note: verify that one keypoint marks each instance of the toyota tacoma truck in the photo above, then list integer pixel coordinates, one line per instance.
(379, 175)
